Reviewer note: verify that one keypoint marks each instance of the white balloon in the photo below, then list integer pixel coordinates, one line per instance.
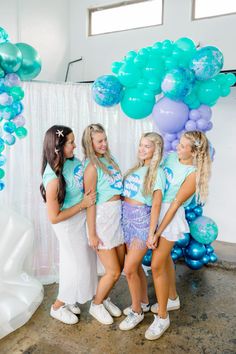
(20, 294)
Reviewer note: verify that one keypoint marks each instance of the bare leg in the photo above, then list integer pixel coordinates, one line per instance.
(160, 274)
(172, 279)
(120, 250)
(132, 263)
(143, 280)
(57, 304)
(111, 264)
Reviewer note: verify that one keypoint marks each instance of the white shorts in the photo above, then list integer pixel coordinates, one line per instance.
(108, 224)
(177, 227)
(78, 263)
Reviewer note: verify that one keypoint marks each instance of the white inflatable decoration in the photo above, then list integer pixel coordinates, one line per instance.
(20, 294)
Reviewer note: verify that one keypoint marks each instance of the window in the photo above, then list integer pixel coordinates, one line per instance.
(211, 8)
(126, 15)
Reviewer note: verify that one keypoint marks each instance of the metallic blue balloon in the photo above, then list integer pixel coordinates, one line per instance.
(190, 216)
(198, 210)
(193, 263)
(178, 251)
(174, 256)
(213, 258)
(206, 259)
(195, 250)
(204, 230)
(184, 241)
(2, 186)
(209, 249)
(147, 259)
(188, 208)
(9, 127)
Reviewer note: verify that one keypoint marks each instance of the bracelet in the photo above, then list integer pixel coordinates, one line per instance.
(177, 201)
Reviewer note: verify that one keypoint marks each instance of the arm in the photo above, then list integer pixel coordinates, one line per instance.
(90, 183)
(155, 212)
(187, 189)
(56, 215)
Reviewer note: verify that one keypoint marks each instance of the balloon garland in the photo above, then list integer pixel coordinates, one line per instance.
(18, 62)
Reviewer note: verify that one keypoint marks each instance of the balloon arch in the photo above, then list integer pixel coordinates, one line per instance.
(177, 84)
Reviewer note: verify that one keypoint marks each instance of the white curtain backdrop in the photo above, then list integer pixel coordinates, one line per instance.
(46, 104)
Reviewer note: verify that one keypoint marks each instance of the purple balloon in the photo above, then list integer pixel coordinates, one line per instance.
(5, 99)
(19, 121)
(194, 114)
(190, 125)
(170, 137)
(202, 124)
(209, 126)
(12, 80)
(179, 134)
(170, 116)
(174, 144)
(167, 145)
(205, 112)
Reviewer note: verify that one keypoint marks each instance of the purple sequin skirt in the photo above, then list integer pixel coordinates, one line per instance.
(135, 224)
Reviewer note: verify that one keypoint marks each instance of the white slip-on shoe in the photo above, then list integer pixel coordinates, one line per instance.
(145, 308)
(74, 308)
(100, 313)
(112, 308)
(157, 328)
(131, 321)
(64, 315)
(171, 305)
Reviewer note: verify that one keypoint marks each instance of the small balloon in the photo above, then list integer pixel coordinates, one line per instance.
(21, 132)
(10, 57)
(147, 259)
(194, 263)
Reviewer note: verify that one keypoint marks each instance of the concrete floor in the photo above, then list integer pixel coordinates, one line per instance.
(206, 322)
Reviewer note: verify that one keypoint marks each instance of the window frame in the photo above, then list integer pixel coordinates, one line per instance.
(114, 5)
(206, 17)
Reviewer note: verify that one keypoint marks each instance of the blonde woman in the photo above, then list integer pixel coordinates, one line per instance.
(102, 174)
(144, 185)
(187, 173)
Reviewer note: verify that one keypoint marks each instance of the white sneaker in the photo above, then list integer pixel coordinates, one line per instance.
(157, 328)
(112, 308)
(171, 305)
(74, 308)
(100, 313)
(131, 321)
(64, 315)
(144, 307)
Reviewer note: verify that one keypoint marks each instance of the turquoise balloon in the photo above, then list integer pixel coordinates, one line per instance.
(230, 79)
(129, 74)
(204, 230)
(207, 62)
(2, 73)
(135, 105)
(177, 83)
(31, 62)
(185, 44)
(3, 36)
(10, 57)
(208, 92)
(115, 66)
(17, 93)
(21, 132)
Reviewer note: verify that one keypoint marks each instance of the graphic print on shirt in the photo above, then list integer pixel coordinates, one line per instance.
(115, 179)
(131, 185)
(78, 176)
(169, 177)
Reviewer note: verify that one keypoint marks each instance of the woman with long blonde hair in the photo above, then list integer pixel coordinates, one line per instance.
(102, 174)
(144, 186)
(187, 173)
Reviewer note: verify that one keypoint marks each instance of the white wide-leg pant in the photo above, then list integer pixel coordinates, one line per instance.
(78, 262)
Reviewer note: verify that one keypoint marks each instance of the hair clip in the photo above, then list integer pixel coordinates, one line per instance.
(60, 133)
(56, 151)
(197, 143)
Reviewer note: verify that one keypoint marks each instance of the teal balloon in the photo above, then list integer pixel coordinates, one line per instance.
(9, 127)
(2, 173)
(21, 132)
(2, 73)
(204, 230)
(17, 93)
(177, 83)
(115, 66)
(129, 74)
(208, 92)
(185, 44)
(10, 57)
(31, 62)
(213, 258)
(135, 105)
(207, 62)
(3, 36)
(230, 79)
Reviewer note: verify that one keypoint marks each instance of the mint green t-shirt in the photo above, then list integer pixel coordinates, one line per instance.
(107, 185)
(133, 185)
(176, 173)
(73, 174)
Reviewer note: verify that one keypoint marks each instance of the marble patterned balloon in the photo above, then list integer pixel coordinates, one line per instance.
(107, 90)
(204, 229)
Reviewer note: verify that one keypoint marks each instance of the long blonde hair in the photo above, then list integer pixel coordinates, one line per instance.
(200, 148)
(87, 144)
(151, 173)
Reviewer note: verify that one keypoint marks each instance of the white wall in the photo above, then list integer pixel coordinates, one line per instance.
(100, 51)
(44, 25)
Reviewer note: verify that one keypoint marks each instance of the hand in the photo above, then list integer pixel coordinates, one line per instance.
(95, 241)
(152, 241)
(89, 199)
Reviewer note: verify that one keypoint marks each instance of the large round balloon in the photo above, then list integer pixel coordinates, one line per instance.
(195, 250)
(3, 36)
(177, 83)
(204, 230)
(207, 62)
(31, 62)
(137, 104)
(208, 92)
(170, 116)
(10, 57)
(107, 90)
